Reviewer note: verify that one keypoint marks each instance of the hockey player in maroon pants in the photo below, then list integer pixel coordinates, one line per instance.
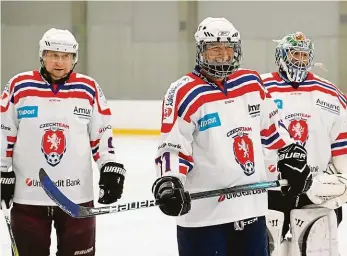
(54, 118)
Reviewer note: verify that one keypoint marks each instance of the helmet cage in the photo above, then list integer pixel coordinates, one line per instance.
(216, 69)
(295, 69)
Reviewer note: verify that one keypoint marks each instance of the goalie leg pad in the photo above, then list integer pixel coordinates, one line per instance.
(314, 232)
(274, 224)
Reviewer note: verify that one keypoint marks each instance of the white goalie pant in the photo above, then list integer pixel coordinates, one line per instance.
(313, 231)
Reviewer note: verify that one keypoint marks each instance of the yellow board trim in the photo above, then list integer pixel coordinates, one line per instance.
(135, 132)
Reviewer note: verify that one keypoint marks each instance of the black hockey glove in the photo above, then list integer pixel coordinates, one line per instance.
(170, 195)
(111, 183)
(292, 166)
(7, 183)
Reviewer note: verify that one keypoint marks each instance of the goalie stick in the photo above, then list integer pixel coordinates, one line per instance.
(77, 211)
(8, 223)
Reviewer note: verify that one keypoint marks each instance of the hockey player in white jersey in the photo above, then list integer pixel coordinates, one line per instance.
(215, 122)
(314, 112)
(56, 119)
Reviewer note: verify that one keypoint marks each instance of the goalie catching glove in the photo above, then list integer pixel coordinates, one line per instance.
(292, 166)
(111, 183)
(329, 189)
(171, 197)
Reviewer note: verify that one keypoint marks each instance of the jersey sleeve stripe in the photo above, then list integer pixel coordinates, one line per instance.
(269, 131)
(94, 143)
(277, 145)
(186, 163)
(339, 147)
(11, 140)
(95, 149)
(342, 136)
(271, 139)
(339, 152)
(184, 166)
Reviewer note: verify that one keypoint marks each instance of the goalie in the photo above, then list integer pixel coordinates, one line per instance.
(314, 112)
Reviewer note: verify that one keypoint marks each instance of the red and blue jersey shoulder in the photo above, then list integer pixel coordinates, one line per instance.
(84, 86)
(245, 81)
(189, 93)
(271, 80)
(178, 97)
(79, 84)
(25, 84)
(313, 83)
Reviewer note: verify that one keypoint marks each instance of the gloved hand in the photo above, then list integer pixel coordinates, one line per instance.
(170, 195)
(292, 166)
(7, 183)
(111, 182)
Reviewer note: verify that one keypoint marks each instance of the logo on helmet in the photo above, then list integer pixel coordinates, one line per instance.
(299, 36)
(223, 33)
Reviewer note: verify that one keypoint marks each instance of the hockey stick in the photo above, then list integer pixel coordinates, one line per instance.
(77, 211)
(8, 223)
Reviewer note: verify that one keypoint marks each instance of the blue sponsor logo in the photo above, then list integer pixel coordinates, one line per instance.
(27, 112)
(209, 121)
(279, 103)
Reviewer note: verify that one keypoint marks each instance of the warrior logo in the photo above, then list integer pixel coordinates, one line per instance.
(53, 145)
(298, 127)
(243, 150)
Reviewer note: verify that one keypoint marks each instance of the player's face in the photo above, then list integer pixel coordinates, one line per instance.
(219, 52)
(299, 58)
(58, 64)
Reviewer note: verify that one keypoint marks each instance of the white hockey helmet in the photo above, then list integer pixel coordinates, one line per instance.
(59, 40)
(212, 30)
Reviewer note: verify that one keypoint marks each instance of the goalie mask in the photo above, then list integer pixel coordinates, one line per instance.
(218, 46)
(294, 57)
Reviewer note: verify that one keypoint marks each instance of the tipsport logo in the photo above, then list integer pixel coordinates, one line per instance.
(59, 183)
(209, 121)
(27, 112)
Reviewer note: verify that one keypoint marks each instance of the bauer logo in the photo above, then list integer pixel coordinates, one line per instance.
(209, 121)
(27, 112)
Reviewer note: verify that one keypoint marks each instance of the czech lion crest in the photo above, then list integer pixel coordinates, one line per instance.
(53, 145)
(244, 152)
(298, 129)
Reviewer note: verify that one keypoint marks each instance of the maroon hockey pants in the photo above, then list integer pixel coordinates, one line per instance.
(32, 230)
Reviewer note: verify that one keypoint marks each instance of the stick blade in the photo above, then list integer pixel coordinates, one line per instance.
(57, 196)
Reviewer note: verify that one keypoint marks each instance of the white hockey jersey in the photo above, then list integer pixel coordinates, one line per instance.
(315, 116)
(58, 130)
(212, 138)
